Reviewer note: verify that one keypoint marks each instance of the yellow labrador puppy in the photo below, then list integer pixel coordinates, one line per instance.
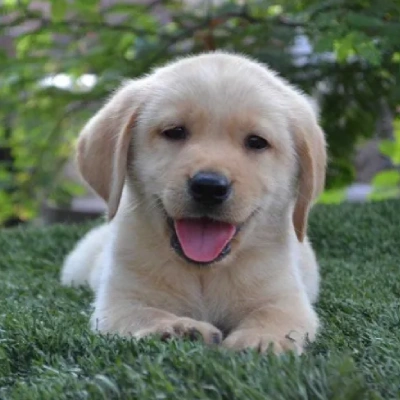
(209, 167)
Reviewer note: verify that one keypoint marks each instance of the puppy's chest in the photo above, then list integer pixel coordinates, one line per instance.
(221, 299)
(221, 302)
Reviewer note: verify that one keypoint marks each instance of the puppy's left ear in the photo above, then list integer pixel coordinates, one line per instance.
(103, 145)
(311, 152)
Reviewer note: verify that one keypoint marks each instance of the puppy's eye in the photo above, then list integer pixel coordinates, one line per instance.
(176, 133)
(254, 142)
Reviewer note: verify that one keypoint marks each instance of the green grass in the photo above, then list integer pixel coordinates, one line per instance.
(48, 352)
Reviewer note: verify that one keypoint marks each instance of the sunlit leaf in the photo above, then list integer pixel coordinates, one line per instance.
(58, 9)
(388, 148)
(386, 179)
(391, 148)
(333, 196)
(274, 10)
(396, 57)
(88, 6)
(344, 48)
(23, 45)
(10, 3)
(384, 194)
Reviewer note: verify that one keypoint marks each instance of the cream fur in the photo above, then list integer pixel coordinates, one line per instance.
(263, 292)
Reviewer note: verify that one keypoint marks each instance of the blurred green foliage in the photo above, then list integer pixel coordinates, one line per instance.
(355, 62)
(386, 184)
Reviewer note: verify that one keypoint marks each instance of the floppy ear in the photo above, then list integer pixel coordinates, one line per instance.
(103, 146)
(311, 151)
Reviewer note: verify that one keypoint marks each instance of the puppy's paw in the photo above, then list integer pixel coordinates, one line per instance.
(183, 328)
(260, 340)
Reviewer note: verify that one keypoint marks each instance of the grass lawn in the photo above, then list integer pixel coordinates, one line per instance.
(48, 352)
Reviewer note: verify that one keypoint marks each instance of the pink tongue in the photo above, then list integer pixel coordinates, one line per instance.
(203, 240)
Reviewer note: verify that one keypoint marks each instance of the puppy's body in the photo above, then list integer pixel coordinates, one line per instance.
(126, 272)
(262, 291)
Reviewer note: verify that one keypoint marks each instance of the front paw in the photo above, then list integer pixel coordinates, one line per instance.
(183, 328)
(260, 340)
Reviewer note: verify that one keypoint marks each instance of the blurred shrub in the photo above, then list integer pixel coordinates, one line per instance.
(386, 184)
(66, 59)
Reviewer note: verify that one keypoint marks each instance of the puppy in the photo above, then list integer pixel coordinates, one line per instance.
(209, 167)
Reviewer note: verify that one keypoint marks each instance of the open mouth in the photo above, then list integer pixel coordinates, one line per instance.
(202, 240)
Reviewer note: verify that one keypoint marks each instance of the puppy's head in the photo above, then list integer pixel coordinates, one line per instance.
(215, 148)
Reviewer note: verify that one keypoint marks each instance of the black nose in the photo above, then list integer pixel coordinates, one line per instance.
(209, 188)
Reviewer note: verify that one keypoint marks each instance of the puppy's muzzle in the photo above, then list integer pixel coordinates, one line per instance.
(209, 188)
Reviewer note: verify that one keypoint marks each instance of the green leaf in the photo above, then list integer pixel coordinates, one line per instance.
(396, 57)
(363, 21)
(333, 196)
(387, 148)
(73, 188)
(274, 10)
(344, 48)
(384, 194)
(369, 52)
(23, 44)
(29, 44)
(89, 6)
(58, 9)
(325, 43)
(386, 179)
(391, 148)
(357, 43)
(10, 3)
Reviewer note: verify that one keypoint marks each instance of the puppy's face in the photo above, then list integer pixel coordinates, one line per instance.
(214, 155)
(213, 149)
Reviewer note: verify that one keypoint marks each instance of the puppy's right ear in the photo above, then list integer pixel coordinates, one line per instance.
(103, 145)
(311, 152)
